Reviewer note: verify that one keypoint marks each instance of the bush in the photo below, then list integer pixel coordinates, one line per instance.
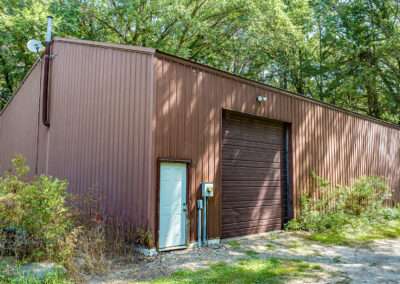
(39, 220)
(34, 216)
(342, 208)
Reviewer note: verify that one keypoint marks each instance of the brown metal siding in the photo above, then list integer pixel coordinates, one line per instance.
(108, 128)
(100, 130)
(19, 122)
(100, 115)
(337, 145)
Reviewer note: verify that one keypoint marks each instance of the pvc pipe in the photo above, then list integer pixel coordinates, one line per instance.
(207, 222)
(204, 220)
(48, 32)
(199, 206)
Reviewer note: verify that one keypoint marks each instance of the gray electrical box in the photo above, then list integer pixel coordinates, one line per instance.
(207, 189)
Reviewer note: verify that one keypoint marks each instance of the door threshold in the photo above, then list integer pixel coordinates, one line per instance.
(173, 248)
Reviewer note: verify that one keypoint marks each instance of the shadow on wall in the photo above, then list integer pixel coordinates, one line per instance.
(188, 108)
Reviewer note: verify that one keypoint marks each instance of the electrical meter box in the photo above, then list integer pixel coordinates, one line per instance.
(207, 189)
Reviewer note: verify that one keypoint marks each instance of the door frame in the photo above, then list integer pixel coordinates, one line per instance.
(188, 163)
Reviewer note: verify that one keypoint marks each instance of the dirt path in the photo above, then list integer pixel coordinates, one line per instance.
(378, 263)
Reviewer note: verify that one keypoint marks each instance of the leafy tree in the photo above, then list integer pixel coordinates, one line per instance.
(19, 22)
(341, 52)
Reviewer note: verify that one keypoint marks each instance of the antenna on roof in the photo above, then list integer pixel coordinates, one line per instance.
(35, 46)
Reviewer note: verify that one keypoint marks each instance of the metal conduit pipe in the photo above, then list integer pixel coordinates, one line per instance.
(45, 119)
(199, 207)
(204, 220)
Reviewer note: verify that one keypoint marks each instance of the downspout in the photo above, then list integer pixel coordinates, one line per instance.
(45, 119)
(287, 173)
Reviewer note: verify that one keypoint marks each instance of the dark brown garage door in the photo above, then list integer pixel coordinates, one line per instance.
(253, 176)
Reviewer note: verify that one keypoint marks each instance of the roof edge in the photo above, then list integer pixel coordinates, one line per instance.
(204, 67)
(138, 49)
(131, 48)
(20, 84)
(245, 80)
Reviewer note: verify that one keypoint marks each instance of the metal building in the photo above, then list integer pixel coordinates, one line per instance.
(149, 127)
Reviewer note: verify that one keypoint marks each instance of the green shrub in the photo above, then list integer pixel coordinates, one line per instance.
(342, 208)
(35, 214)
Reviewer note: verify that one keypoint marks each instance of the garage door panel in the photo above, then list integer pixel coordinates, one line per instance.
(249, 154)
(246, 184)
(253, 224)
(254, 213)
(260, 202)
(254, 191)
(240, 118)
(252, 144)
(273, 139)
(252, 164)
(255, 126)
(253, 195)
(251, 230)
(235, 173)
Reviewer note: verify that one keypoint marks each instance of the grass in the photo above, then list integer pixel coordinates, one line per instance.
(273, 236)
(272, 270)
(336, 259)
(251, 253)
(363, 236)
(294, 245)
(13, 277)
(235, 244)
(270, 247)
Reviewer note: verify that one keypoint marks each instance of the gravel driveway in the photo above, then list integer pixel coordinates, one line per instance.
(378, 263)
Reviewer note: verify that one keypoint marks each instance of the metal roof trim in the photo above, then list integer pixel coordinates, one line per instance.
(107, 45)
(204, 67)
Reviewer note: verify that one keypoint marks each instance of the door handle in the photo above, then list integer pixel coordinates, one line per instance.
(184, 207)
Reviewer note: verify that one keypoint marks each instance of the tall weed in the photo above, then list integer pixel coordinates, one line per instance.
(339, 208)
(40, 220)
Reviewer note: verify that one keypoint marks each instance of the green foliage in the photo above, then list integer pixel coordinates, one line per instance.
(363, 235)
(234, 243)
(53, 277)
(270, 247)
(19, 21)
(252, 270)
(36, 211)
(12, 276)
(347, 214)
(251, 253)
(144, 238)
(341, 52)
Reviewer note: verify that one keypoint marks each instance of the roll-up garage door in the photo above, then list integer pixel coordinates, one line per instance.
(254, 191)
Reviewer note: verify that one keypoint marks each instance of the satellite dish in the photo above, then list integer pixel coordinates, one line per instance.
(34, 46)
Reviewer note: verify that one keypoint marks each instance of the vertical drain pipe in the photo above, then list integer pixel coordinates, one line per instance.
(204, 220)
(199, 207)
(45, 119)
(287, 173)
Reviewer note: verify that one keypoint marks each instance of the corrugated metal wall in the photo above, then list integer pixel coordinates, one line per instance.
(337, 145)
(108, 128)
(100, 116)
(100, 131)
(19, 122)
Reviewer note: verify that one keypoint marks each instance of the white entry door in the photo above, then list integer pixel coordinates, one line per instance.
(172, 232)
